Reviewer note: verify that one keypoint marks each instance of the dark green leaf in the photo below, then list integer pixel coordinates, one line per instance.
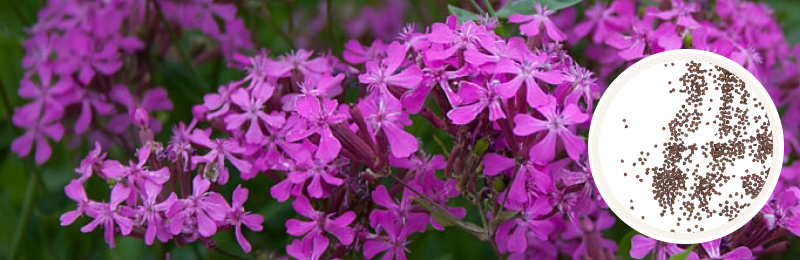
(463, 15)
(525, 7)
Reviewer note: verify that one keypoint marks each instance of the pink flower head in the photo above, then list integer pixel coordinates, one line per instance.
(237, 216)
(387, 72)
(300, 61)
(454, 38)
(601, 22)
(136, 173)
(534, 23)
(399, 212)
(76, 192)
(555, 123)
(199, 212)
(356, 54)
(385, 114)
(150, 213)
(394, 243)
(528, 72)
(641, 246)
(492, 97)
(48, 98)
(312, 167)
(320, 223)
(39, 131)
(111, 215)
(221, 149)
(712, 250)
(643, 37)
(252, 106)
(320, 114)
(512, 235)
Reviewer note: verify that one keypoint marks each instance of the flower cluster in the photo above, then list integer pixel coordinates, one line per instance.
(337, 137)
(85, 66)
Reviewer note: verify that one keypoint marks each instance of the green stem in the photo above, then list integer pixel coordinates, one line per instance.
(505, 197)
(476, 6)
(277, 28)
(489, 8)
(22, 224)
(328, 8)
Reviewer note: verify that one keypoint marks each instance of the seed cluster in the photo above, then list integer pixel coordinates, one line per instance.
(680, 185)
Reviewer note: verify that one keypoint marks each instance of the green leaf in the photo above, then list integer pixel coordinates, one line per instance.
(683, 255)
(525, 7)
(437, 215)
(624, 248)
(463, 15)
(446, 218)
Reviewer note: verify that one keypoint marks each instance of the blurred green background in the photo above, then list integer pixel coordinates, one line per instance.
(31, 196)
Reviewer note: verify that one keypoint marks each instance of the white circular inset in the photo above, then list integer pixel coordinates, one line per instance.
(699, 181)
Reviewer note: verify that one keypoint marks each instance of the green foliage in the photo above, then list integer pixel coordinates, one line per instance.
(525, 7)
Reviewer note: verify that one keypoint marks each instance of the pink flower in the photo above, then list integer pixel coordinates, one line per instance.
(712, 250)
(136, 173)
(221, 149)
(237, 216)
(641, 246)
(82, 53)
(394, 243)
(203, 209)
(111, 215)
(453, 38)
(39, 131)
(319, 115)
(384, 74)
(512, 235)
(385, 114)
(642, 36)
(75, 191)
(308, 249)
(535, 22)
(555, 123)
(300, 61)
(601, 22)
(527, 72)
(321, 223)
(150, 213)
(491, 96)
(397, 212)
(252, 106)
(314, 168)
(48, 98)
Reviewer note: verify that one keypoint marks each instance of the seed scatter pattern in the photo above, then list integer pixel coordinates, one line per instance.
(740, 135)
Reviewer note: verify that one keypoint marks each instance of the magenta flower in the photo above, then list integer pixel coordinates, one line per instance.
(399, 212)
(555, 123)
(237, 216)
(384, 74)
(512, 235)
(48, 97)
(780, 211)
(527, 72)
(534, 23)
(203, 209)
(601, 20)
(454, 38)
(75, 191)
(111, 215)
(150, 213)
(682, 12)
(355, 53)
(219, 103)
(308, 249)
(394, 243)
(39, 131)
(491, 96)
(91, 101)
(641, 246)
(221, 149)
(385, 114)
(315, 168)
(252, 105)
(300, 61)
(155, 99)
(642, 36)
(712, 250)
(81, 53)
(320, 224)
(136, 174)
(319, 116)
(497, 49)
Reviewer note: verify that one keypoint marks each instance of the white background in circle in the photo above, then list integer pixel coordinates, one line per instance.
(647, 106)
